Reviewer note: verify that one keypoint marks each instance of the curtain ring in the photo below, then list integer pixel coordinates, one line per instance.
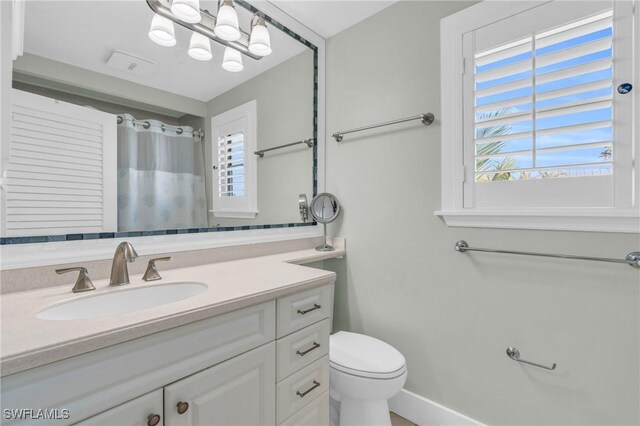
(162, 128)
(179, 130)
(146, 125)
(120, 120)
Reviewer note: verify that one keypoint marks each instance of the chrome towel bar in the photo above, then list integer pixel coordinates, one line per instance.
(514, 354)
(632, 259)
(426, 120)
(309, 143)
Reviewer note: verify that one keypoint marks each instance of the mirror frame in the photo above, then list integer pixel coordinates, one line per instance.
(18, 252)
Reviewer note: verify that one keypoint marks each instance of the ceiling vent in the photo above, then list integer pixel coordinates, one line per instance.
(126, 62)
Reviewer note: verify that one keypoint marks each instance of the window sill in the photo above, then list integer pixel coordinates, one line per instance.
(589, 220)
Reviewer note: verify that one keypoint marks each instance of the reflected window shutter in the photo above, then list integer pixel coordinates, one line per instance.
(231, 165)
(543, 104)
(61, 176)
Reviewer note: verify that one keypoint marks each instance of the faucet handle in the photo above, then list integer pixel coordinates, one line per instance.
(152, 274)
(83, 283)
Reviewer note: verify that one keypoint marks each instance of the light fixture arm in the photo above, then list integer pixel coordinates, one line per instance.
(258, 19)
(204, 27)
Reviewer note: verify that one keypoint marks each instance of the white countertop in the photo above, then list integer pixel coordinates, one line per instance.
(28, 342)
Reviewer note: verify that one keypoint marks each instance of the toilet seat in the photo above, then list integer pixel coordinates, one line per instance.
(365, 356)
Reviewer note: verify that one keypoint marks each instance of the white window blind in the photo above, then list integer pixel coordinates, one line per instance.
(234, 174)
(543, 103)
(231, 160)
(61, 176)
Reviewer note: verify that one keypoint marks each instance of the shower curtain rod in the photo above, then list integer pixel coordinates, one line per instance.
(146, 124)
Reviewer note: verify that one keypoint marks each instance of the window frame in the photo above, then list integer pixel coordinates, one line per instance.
(241, 118)
(454, 209)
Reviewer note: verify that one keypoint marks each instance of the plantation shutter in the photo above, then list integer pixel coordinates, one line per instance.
(542, 106)
(61, 176)
(231, 159)
(234, 172)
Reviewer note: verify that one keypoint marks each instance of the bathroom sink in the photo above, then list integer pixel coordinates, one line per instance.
(116, 302)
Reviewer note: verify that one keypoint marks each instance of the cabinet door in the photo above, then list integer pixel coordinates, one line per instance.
(142, 411)
(240, 391)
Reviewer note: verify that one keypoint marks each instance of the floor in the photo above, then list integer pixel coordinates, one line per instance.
(396, 420)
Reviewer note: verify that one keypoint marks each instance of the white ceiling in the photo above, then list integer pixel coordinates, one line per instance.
(329, 17)
(86, 33)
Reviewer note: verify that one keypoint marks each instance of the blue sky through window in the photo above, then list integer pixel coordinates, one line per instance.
(543, 89)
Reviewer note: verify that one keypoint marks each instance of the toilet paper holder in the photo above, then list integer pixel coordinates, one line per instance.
(514, 354)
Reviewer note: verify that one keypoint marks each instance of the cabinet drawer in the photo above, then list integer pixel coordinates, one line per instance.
(142, 411)
(299, 389)
(302, 309)
(314, 414)
(301, 348)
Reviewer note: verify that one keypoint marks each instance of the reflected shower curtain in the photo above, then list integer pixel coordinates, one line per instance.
(161, 183)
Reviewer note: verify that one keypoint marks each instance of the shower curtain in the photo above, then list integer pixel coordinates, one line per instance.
(161, 183)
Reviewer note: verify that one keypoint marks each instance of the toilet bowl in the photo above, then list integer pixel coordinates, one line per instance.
(364, 373)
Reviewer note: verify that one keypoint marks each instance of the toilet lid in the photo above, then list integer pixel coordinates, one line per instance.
(365, 356)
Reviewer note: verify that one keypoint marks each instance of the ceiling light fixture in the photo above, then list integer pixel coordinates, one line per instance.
(259, 42)
(186, 10)
(200, 47)
(232, 60)
(227, 27)
(161, 31)
(204, 27)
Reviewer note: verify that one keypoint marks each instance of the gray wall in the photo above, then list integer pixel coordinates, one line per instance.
(110, 107)
(33, 69)
(451, 314)
(284, 96)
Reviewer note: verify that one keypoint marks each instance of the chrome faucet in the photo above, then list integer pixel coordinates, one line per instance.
(119, 272)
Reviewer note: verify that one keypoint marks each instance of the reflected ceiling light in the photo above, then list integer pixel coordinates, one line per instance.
(232, 60)
(200, 47)
(227, 27)
(186, 10)
(161, 31)
(259, 42)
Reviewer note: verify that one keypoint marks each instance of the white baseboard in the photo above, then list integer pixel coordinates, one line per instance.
(425, 412)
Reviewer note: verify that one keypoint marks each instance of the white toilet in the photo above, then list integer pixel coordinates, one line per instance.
(364, 373)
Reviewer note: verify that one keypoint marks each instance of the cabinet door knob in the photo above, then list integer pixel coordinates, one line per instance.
(153, 419)
(182, 407)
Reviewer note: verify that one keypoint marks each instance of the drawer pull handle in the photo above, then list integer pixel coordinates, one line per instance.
(153, 419)
(303, 394)
(182, 407)
(306, 311)
(316, 345)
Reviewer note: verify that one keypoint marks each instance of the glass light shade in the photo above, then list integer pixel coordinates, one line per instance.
(232, 60)
(227, 23)
(161, 31)
(260, 42)
(186, 10)
(200, 47)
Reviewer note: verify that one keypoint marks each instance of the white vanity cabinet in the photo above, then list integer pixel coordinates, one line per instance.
(236, 392)
(230, 369)
(145, 410)
(303, 327)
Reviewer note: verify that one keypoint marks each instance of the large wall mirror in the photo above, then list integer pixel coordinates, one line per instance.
(127, 121)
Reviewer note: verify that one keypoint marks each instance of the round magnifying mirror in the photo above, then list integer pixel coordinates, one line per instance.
(325, 208)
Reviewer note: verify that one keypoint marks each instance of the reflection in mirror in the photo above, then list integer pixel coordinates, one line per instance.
(128, 123)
